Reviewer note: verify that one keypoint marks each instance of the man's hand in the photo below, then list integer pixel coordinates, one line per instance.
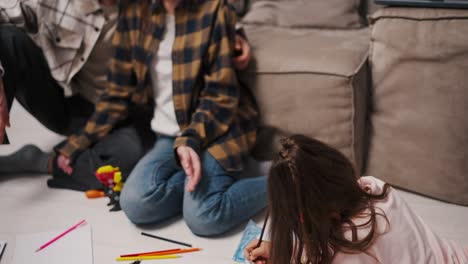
(63, 163)
(242, 61)
(190, 161)
(260, 255)
(4, 116)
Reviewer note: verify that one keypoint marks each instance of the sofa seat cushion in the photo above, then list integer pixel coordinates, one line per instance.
(336, 14)
(420, 88)
(311, 82)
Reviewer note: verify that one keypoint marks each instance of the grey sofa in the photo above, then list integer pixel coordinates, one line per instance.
(364, 79)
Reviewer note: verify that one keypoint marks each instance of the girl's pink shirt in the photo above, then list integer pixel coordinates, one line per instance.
(407, 240)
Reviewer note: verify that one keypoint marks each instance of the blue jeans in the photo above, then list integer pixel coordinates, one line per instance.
(154, 192)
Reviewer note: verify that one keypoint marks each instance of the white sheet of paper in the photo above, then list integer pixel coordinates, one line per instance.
(73, 248)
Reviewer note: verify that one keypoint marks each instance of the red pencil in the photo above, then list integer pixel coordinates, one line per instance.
(61, 235)
(188, 250)
(153, 252)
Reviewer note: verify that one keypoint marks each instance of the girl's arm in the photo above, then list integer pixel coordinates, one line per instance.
(112, 106)
(219, 98)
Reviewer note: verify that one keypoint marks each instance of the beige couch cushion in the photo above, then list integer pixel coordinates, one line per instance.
(312, 82)
(372, 7)
(305, 14)
(420, 122)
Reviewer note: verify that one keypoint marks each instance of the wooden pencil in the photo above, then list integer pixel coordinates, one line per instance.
(263, 230)
(166, 239)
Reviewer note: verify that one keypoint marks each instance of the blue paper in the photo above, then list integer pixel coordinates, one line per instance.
(251, 232)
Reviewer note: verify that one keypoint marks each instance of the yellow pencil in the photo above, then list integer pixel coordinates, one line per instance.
(147, 257)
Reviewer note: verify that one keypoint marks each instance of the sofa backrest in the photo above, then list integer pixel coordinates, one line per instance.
(333, 14)
(371, 6)
(325, 19)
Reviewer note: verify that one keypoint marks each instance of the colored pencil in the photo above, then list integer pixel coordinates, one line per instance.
(181, 251)
(263, 230)
(144, 253)
(61, 235)
(259, 243)
(147, 257)
(164, 252)
(166, 239)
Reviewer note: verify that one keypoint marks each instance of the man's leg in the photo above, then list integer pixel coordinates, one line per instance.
(31, 159)
(220, 202)
(79, 111)
(122, 148)
(28, 79)
(28, 159)
(154, 190)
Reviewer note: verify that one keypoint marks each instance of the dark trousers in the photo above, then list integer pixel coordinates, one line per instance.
(28, 79)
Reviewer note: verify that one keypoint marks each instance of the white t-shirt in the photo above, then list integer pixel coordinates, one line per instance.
(406, 240)
(164, 121)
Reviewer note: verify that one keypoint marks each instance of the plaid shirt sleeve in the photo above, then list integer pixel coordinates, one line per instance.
(219, 98)
(112, 106)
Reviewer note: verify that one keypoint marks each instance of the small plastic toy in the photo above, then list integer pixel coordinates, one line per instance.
(111, 178)
(93, 194)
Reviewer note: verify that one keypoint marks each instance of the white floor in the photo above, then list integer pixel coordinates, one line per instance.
(27, 205)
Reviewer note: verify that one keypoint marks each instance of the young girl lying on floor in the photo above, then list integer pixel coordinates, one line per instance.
(321, 214)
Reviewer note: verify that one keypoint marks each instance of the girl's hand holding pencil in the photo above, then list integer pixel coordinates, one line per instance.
(258, 251)
(258, 254)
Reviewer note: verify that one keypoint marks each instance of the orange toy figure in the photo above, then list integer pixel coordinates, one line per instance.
(93, 194)
(111, 178)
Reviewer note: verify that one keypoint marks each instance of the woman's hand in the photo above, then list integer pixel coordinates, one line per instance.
(242, 61)
(260, 255)
(63, 163)
(190, 161)
(4, 116)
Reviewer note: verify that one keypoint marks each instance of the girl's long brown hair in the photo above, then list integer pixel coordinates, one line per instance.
(313, 192)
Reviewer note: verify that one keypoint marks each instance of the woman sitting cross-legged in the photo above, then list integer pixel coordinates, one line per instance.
(179, 55)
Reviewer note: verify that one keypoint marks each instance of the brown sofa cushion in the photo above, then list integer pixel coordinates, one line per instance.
(312, 82)
(305, 14)
(420, 122)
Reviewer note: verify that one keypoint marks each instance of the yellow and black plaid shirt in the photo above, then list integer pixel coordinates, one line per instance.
(213, 111)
